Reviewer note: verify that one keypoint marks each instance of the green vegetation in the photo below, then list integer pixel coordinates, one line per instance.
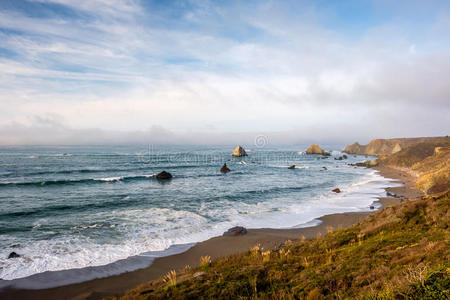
(400, 252)
(413, 154)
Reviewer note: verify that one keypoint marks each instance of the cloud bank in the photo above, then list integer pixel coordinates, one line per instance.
(205, 72)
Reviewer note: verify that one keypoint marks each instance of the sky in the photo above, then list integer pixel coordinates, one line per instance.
(222, 72)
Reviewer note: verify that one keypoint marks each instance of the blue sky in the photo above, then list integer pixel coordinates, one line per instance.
(205, 71)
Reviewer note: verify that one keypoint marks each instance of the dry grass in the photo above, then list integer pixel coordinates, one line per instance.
(205, 261)
(170, 278)
(399, 252)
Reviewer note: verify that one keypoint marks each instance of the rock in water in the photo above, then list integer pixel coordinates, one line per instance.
(235, 231)
(344, 156)
(239, 151)
(164, 175)
(336, 190)
(291, 167)
(315, 149)
(224, 168)
(13, 255)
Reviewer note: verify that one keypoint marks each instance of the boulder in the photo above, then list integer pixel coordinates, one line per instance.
(224, 168)
(325, 168)
(291, 167)
(367, 164)
(13, 255)
(315, 149)
(339, 158)
(235, 231)
(239, 151)
(199, 274)
(164, 175)
(372, 207)
(390, 194)
(336, 190)
(344, 156)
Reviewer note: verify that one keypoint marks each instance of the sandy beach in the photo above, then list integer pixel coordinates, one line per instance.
(215, 247)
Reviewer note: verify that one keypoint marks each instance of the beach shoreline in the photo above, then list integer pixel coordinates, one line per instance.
(216, 247)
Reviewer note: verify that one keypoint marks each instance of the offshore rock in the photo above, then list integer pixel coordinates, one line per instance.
(239, 151)
(315, 149)
(164, 175)
(224, 168)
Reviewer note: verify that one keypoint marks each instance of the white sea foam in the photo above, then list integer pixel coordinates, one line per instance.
(157, 229)
(118, 178)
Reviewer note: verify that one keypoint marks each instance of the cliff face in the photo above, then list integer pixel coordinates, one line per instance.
(380, 147)
(434, 171)
(426, 158)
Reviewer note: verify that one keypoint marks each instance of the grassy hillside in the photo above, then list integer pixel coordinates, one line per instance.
(412, 155)
(399, 252)
(381, 147)
(434, 171)
(429, 161)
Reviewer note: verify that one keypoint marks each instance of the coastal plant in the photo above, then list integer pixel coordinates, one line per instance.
(255, 251)
(329, 253)
(266, 255)
(170, 278)
(416, 273)
(306, 263)
(205, 261)
(360, 238)
(284, 254)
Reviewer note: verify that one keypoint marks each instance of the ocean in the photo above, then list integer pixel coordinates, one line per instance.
(75, 207)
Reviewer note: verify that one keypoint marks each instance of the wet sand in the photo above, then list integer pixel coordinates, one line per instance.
(215, 247)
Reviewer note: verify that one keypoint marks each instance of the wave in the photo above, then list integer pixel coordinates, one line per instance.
(286, 166)
(124, 201)
(78, 181)
(86, 171)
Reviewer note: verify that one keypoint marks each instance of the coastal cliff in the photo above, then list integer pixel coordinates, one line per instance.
(379, 147)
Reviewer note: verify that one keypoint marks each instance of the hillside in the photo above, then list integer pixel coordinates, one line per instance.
(428, 162)
(399, 252)
(381, 147)
(434, 171)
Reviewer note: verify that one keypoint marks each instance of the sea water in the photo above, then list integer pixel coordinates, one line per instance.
(76, 207)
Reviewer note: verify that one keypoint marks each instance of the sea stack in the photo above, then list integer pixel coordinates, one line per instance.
(164, 175)
(224, 168)
(239, 151)
(315, 149)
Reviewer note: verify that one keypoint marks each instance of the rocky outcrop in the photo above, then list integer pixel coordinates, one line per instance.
(235, 231)
(380, 147)
(163, 175)
(13, 255)
(315, 149)
(291, 167)
(224, 168)
(367, 164)
(336, 190)
(239, 151)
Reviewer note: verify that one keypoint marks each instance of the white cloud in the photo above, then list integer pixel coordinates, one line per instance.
(123, 69)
